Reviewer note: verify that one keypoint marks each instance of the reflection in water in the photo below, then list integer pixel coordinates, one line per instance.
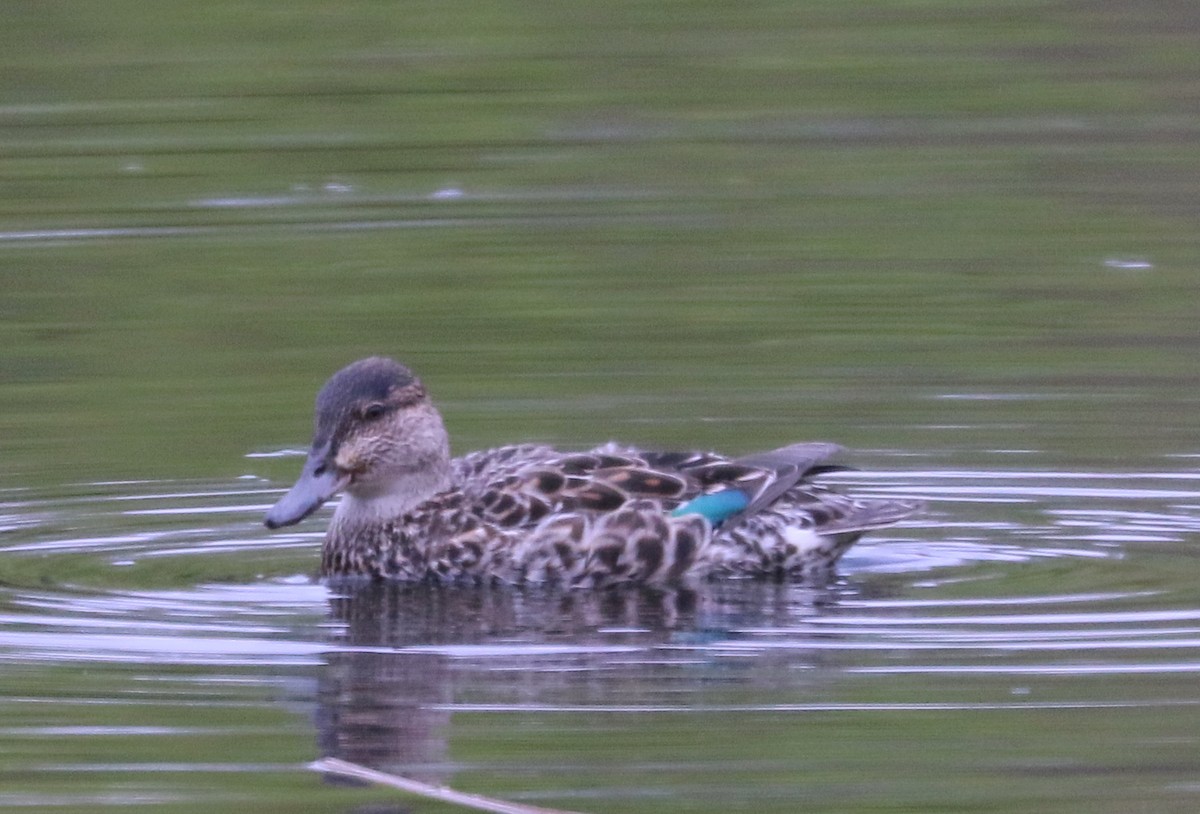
(403, 651)
(382, 710)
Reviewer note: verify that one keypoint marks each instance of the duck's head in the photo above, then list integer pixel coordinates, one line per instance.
(378, 438)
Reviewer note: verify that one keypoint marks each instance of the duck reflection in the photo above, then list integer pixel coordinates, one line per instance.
(405, 655)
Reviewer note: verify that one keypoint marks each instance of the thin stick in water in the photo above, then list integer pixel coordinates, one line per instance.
(333, 765)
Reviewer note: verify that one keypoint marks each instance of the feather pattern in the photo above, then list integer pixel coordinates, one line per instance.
(532, 514)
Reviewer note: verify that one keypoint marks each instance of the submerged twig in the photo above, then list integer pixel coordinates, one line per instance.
(333, 765)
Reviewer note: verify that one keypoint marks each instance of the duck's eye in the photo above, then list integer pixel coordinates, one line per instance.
(373, 411)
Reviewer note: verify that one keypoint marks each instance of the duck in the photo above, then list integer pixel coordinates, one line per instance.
(530, 513)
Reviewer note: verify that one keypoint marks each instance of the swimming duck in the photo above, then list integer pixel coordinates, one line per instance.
(530, 513)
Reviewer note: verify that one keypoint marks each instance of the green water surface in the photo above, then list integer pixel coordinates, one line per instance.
(960, 231)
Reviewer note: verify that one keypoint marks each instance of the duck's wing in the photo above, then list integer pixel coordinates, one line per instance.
(614, 515)
(795, 500)
(610, 477)
(519, 486)
(522, 485)
(650, 517)
(732, 488)
(786, 467)
(589, 484)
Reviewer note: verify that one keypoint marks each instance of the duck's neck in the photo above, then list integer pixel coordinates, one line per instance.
(357, 511)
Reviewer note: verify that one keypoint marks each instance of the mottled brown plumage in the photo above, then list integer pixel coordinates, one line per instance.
(530, 513)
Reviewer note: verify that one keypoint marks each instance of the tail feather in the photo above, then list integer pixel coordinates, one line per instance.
(869, 515)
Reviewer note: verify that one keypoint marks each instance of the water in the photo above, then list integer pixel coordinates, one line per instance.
(957, 238)
(1012, 647)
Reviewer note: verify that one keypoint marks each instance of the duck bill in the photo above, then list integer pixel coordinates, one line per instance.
(319, 481)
